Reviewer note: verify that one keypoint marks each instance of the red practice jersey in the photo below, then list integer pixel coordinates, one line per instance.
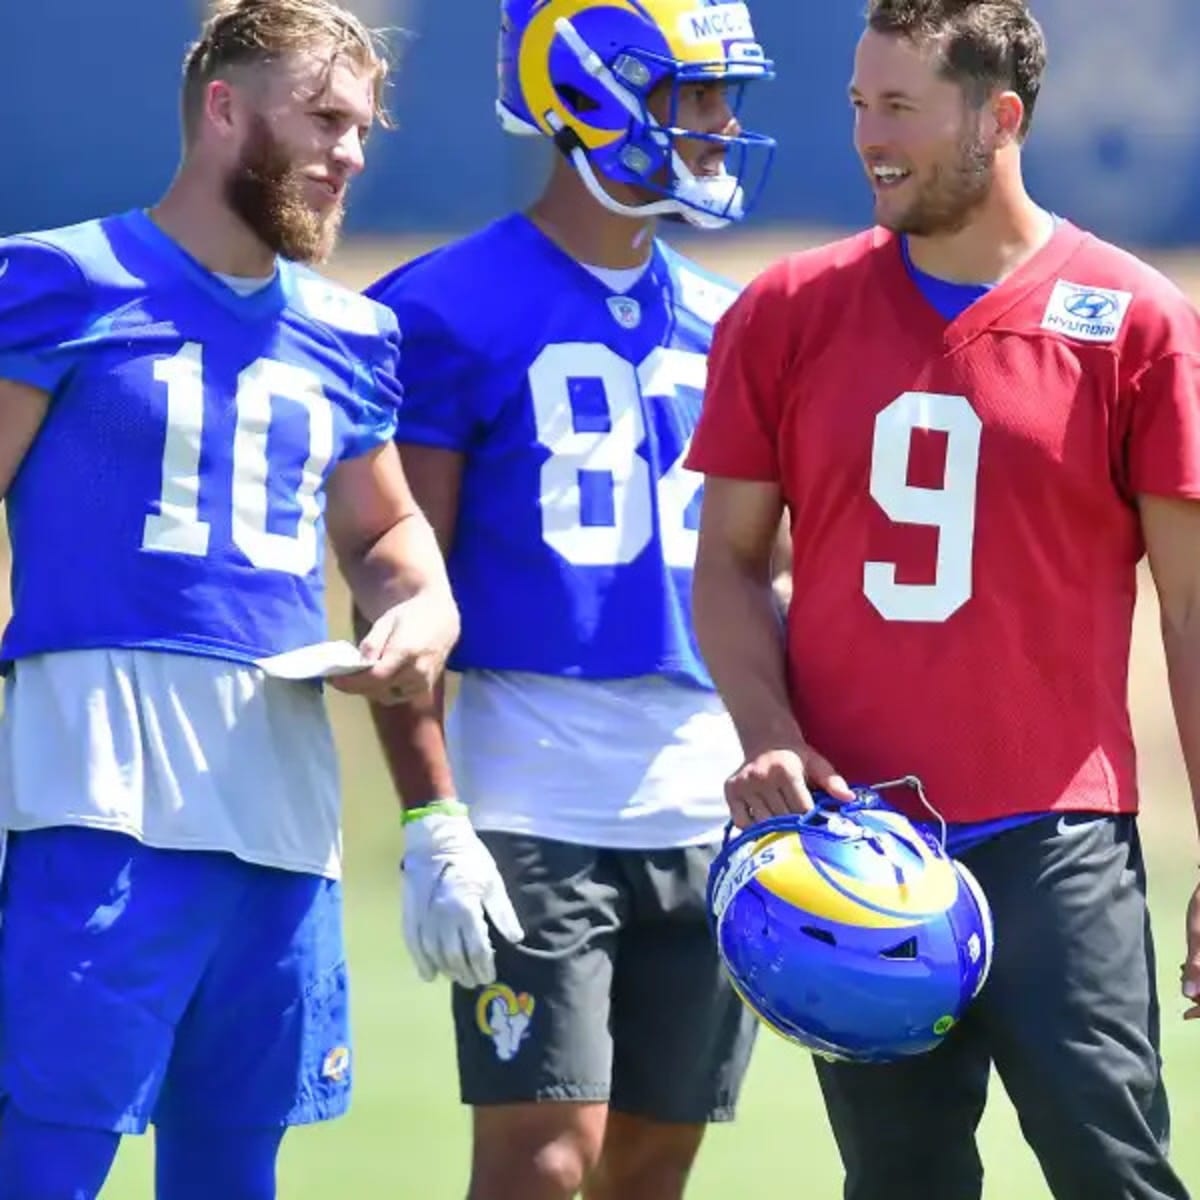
(962, 498)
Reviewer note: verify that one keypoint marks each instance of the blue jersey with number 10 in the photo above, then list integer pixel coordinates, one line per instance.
(573, 407)
(173, 498)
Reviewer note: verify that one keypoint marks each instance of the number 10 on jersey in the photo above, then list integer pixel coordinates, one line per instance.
(176, 528)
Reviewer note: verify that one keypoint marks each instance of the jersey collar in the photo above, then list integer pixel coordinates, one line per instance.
(266, 302)
(650, 280)
(915, 311)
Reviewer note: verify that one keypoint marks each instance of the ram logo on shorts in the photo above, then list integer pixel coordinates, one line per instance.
(504, 1016)
(336, 1065)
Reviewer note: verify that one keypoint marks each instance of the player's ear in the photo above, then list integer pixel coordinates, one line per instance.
(1008, 111)
(220, 104)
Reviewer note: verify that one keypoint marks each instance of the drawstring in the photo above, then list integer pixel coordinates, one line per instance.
(571, 948)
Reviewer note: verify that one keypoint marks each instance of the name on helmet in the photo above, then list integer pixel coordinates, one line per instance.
(719, 23)
(743, 865)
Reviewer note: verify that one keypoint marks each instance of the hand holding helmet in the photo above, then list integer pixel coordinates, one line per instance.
(781, 781)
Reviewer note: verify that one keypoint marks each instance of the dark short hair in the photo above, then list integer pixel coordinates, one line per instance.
(982, 45)
(240, 33)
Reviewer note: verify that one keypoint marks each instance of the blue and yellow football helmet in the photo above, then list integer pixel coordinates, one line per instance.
(850, 931)
(582, 72)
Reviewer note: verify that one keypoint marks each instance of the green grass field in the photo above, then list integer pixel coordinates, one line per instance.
(407, 1136)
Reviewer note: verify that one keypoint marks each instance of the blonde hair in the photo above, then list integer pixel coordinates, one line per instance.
(241, 33)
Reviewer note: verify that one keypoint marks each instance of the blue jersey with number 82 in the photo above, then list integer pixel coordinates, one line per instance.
(573, 407)
(174, 497)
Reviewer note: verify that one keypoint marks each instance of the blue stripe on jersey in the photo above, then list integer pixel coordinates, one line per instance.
(174, 496)
(577, 525)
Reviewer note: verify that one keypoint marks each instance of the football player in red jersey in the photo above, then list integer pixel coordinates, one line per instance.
(978, 418)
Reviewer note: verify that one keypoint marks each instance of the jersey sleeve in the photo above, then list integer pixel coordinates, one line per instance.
(445, 384)
(738, 432)
(1159, 377)
(1163, 446)
(379, 395)
(44, 307)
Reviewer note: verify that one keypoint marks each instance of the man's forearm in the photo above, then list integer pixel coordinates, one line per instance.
(742, 639)
(413, 740)
(1181, 645)
(403, 564)
(414, 747)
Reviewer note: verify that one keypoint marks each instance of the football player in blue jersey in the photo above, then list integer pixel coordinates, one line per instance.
(553, 368)
(185, 411)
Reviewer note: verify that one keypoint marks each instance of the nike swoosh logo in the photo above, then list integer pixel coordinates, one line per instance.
(1070, 824)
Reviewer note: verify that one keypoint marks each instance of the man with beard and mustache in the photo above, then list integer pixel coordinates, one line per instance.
(978, 418)
(186, 412)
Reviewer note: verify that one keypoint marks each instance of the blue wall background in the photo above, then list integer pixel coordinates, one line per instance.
(88, 123)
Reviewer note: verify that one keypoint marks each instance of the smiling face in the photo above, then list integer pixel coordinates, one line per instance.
(928, 152)
(301, 127)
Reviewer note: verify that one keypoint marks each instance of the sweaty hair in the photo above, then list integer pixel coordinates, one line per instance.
(982, 45)
(242, 33)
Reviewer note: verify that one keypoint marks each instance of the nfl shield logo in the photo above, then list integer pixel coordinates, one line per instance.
(626, 312)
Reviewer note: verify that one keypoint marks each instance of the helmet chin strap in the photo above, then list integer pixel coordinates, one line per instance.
(707, 203)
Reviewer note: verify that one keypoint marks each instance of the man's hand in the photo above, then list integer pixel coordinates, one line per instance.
(1190, 970)
(776, 782)
(408, 647)
(451, 884)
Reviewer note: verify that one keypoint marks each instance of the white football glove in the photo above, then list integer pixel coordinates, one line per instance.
(450, 883)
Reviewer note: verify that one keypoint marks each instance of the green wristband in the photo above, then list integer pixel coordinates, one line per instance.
(450, 808)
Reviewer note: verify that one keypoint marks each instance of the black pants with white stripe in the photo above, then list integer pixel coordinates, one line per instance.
(1069, 1016)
